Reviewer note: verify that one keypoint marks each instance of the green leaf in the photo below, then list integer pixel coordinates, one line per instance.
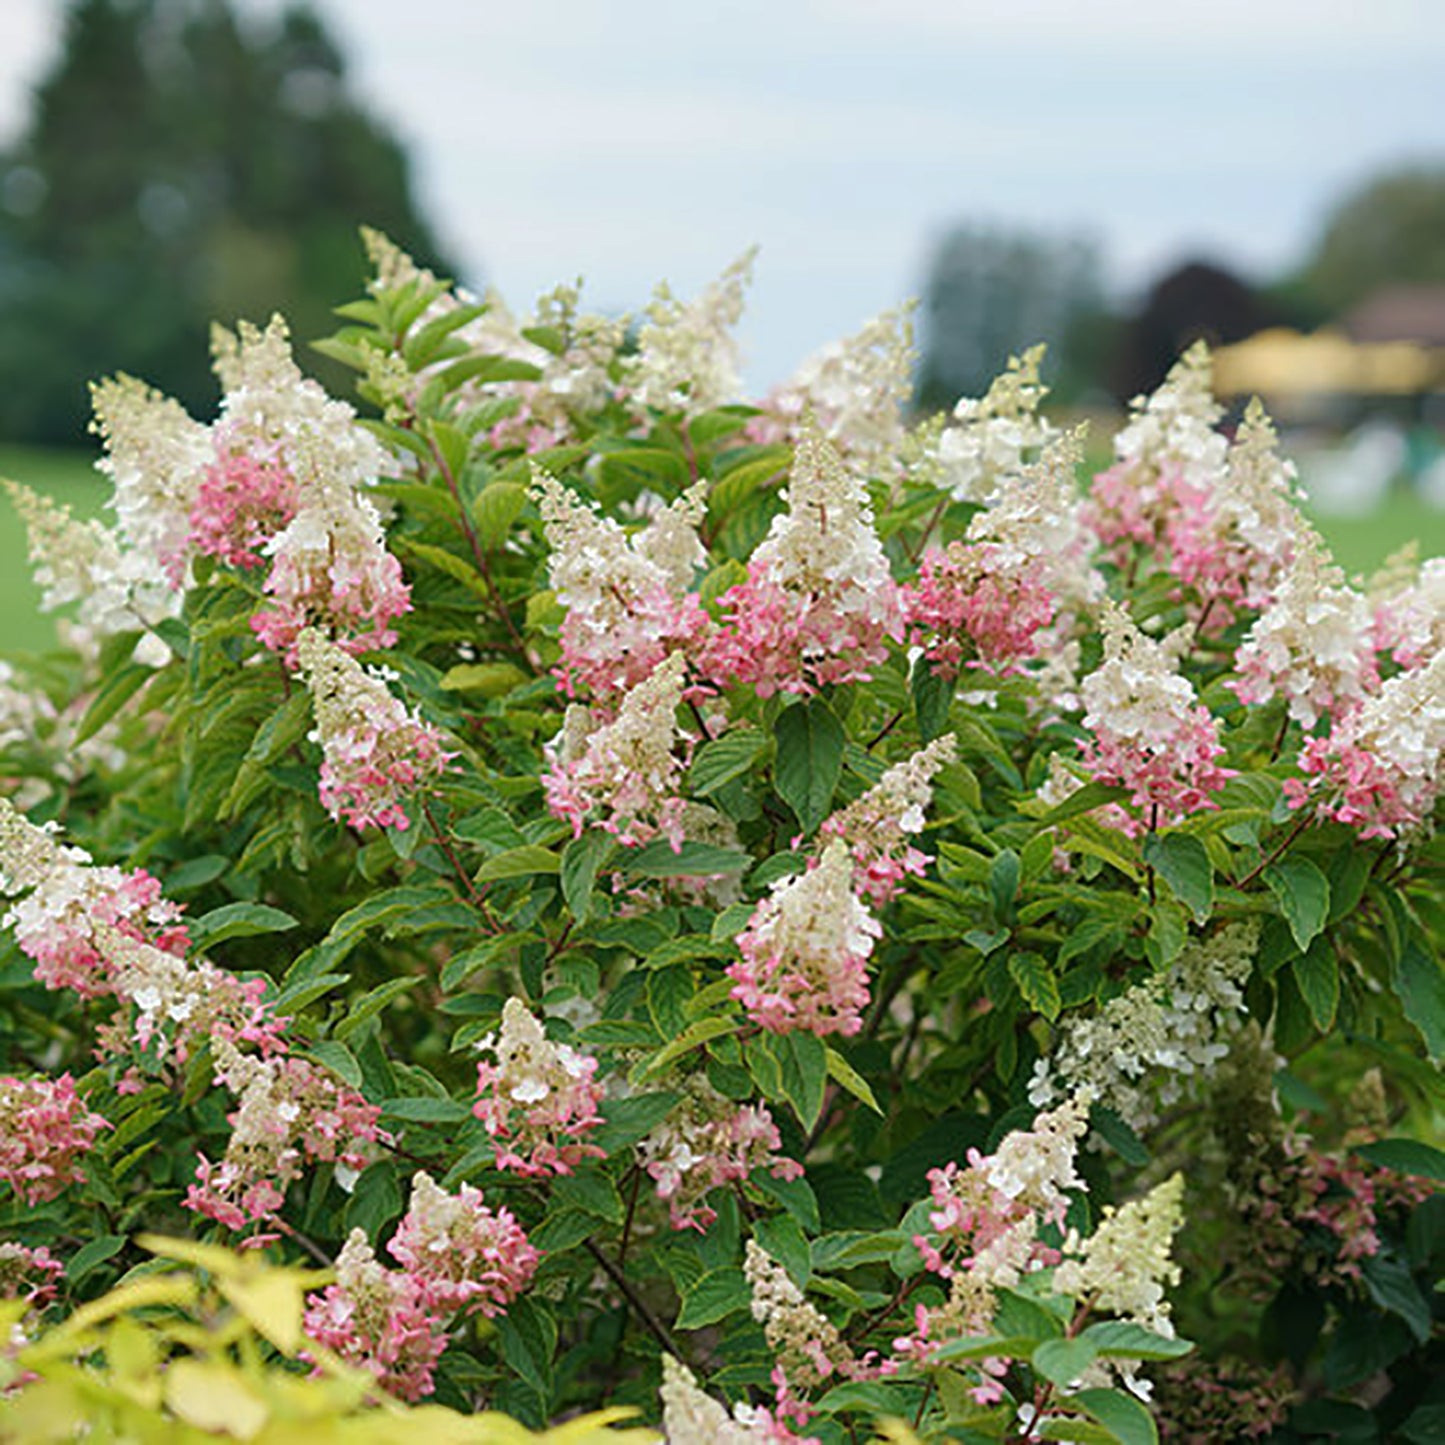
(237, 920)
(1303, 895)
(1183, 863)
(1317, 975)
(1168, 933)
(1083, 800)
(781, 1236)
(1393, 1288)
(581, 859)
(1063, 1361)
(370, 1004)
(520, 862)
(1122, 1415)
(625, 1121)
(694, 1036)
(375, 1201)
(1036, 982)
(497, 506)
(1420, 986)
(528, 1336)
(639, 468)
(426, 1110)
(810, 760)
(1116, 1133)
(92, 1253)
(725, 758)
(287, 725)
(1406, 1156)
(982, 1347)
(1121, 1339)
(846, 1076)
(932, 698)
(589, 1191)
(804, 1063)
(716, 1295)
(1003, 884)
(693, 860)
(112, 695)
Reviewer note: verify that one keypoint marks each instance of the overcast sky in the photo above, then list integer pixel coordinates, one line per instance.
(631, 141)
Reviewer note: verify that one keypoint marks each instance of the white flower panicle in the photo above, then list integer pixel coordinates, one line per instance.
(1147, 1047)
(1314, 645)
(1035, 520)
(1175, 426)
(271, 410)
(690, 1416)
(825, 542)
(117, 588)
(156, 455)
(1125, 1265)
(687, 359)
(1034, 1168)
(807, 1343)
(856, 390)
(995, 435)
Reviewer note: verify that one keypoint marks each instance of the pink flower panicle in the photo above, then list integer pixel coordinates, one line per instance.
(376, 1318)
(374, 750)
(805, 952)
(331, 570)
(463, 1256)
(706, 1141)
(878, 826)
(243, 501)
(969, 609)
(819, 606)
(539, 1099)
(625, 774)
(45, 1132)
(1379, 768)
(1150, 735)
(627, 597)
(290, 1113)
(28, 1274)
(68, 899)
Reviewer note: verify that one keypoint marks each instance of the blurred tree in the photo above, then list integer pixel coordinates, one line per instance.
(1192, 302)
(179, 168)
(1390, 231)
(991, 294)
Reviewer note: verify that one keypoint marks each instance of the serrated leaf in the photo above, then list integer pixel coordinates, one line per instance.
(725, 758)
(520, 862)
(625, 1121)
(581, 859)
(1406, 1156)
(1124, 1340)
(497, 506)
(237, 920)
(1116, 1133)
(1003, 883)
(1036, 982)
(1393, 1288)
(1063, 1361)
(1183, 863)
(1317, 976)
(1420, 986)
(1121, 1414)
(844, 1074)
(716, 1295)
(932, 694)
(694, 1036)
(1303, 895)
(371, 1003)
(657, 859)
(810, 760)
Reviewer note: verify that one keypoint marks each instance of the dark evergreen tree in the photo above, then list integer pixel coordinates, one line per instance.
(181, 167)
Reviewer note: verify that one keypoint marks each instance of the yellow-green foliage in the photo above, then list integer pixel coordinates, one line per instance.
(203, 1348)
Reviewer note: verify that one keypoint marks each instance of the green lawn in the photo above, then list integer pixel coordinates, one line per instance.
(1360, 542)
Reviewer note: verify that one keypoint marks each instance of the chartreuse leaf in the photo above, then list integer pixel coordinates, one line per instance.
(702, 1032)
(1303, 895)
(1183, 863)
(844, 1074)
(810, 760)
(1036, 982)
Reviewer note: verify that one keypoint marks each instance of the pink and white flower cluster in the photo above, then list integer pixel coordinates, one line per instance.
(624, 775)
(878, 826)
(539, 1099)
(707, 1141)
(291, 1113)
(458, 1258)
(28, 1274)
(46, 1131)
(819, 605)
(805, 951)
(1148, 732)
(627, 597)
(374, 750)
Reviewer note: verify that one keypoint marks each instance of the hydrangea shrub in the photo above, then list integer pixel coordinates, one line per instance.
(781, 915)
